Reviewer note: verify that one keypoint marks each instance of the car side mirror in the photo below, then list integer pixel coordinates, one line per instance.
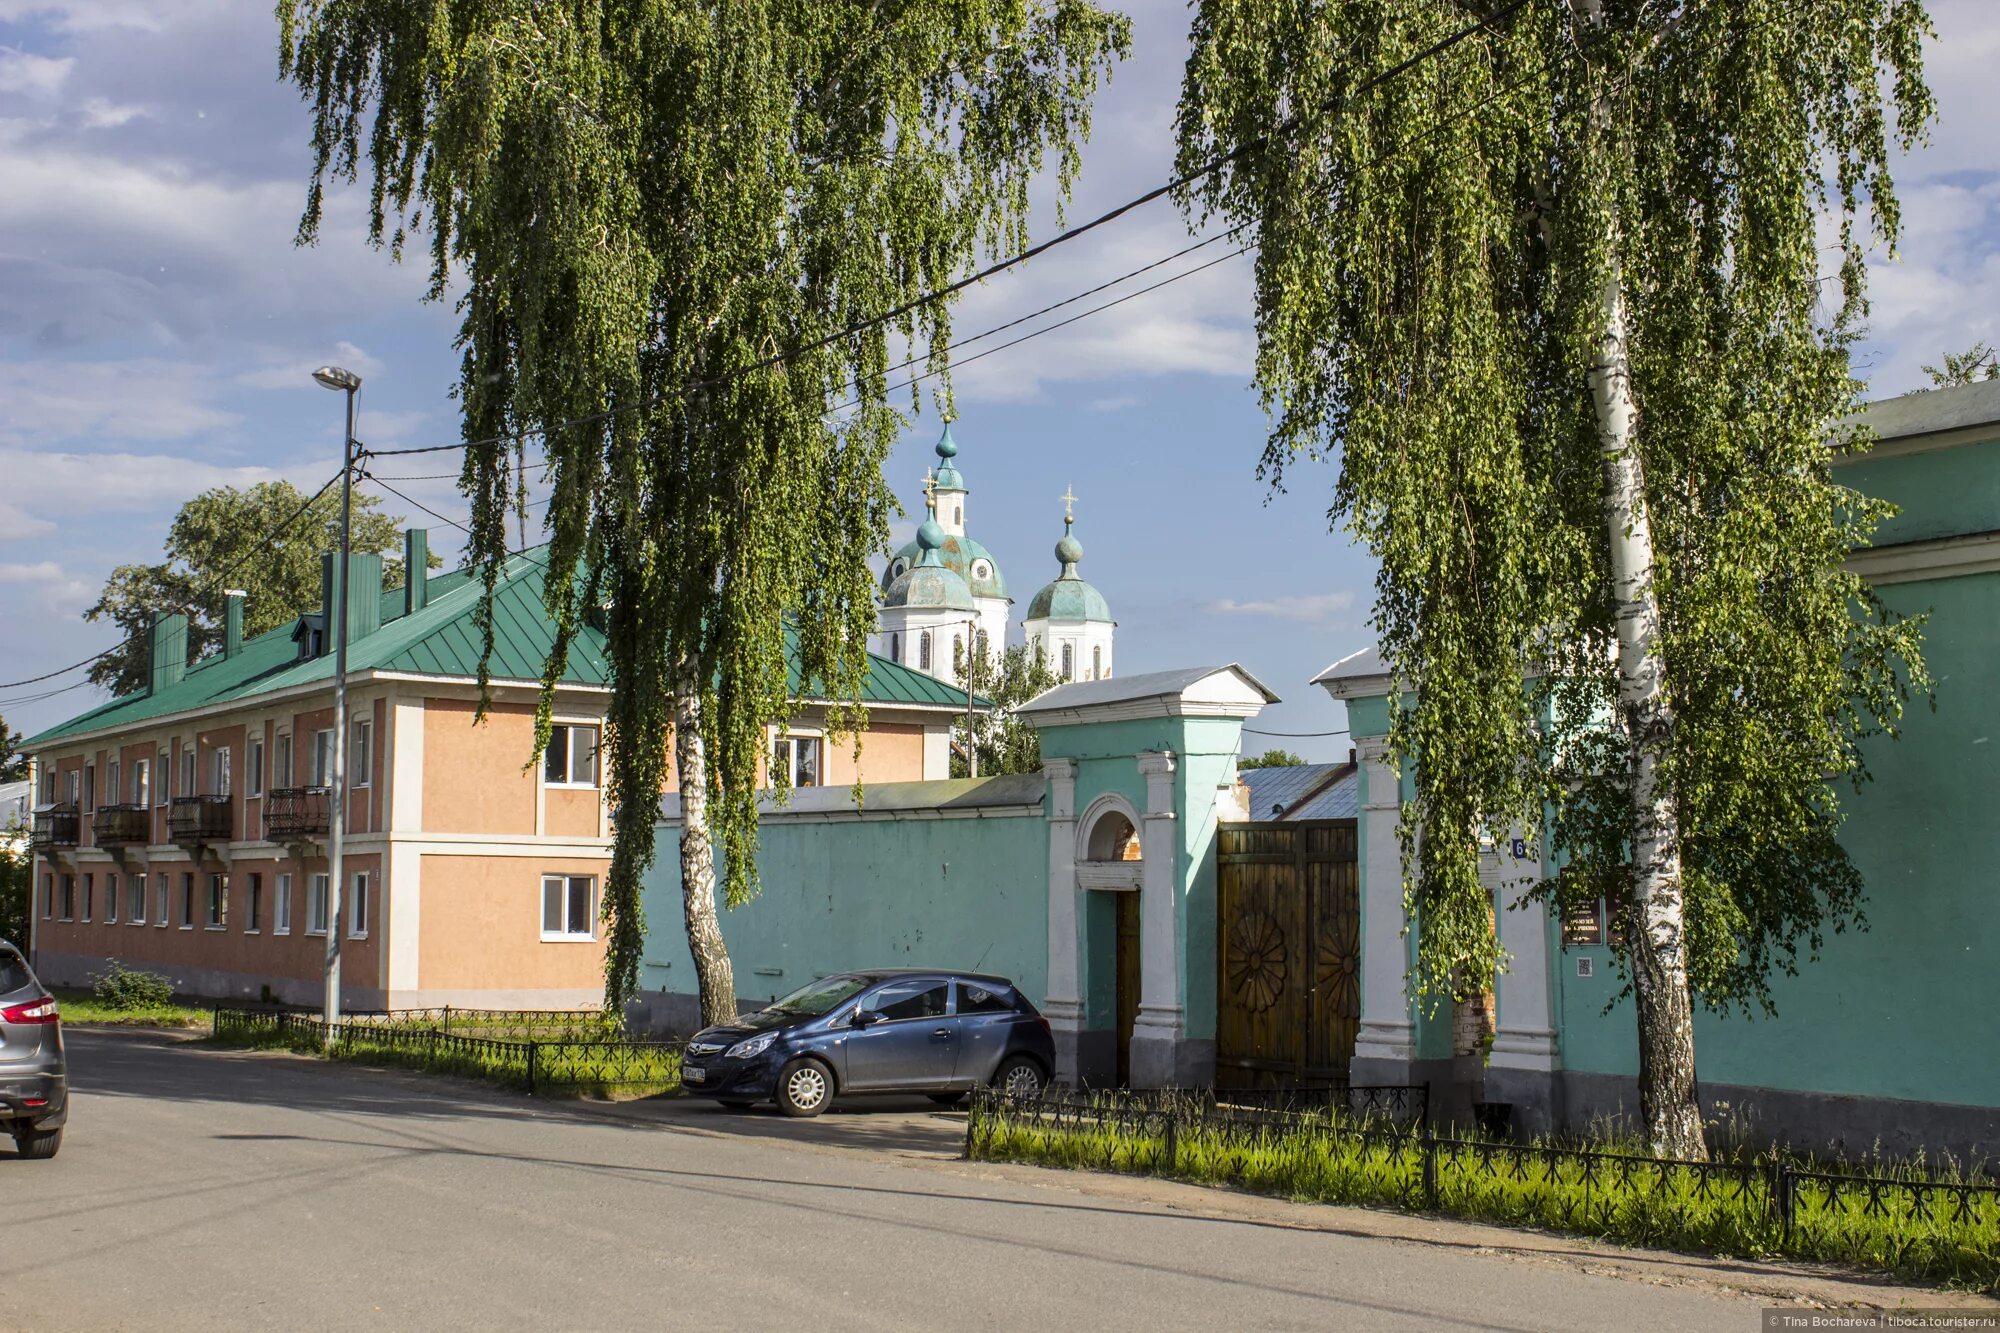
(866, 1018)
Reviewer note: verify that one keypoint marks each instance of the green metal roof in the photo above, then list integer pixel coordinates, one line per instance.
(440, 639)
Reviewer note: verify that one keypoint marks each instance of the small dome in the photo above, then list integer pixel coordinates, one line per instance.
(928, 587)
(929, 535)
(974, 563)
(1069, 597)
(1069, 550)
(948, 475)
(946, 446)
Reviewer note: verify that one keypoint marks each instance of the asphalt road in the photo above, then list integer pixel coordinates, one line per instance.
(202, 1189)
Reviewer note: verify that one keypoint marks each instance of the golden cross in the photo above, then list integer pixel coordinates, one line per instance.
(1069, 502)
(930, 490)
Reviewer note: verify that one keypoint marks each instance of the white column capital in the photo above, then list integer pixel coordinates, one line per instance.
(1372, 749)
(1158, 767)
(1061, 775)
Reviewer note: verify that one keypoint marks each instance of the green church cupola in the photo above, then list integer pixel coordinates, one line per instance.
(949, 479)
(1069, 598)
(929, 583)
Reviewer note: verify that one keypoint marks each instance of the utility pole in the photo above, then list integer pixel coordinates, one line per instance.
(333, 377)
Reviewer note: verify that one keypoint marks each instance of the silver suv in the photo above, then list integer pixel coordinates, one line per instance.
(34, 1078)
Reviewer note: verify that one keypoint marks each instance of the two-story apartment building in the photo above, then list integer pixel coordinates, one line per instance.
(183, 829)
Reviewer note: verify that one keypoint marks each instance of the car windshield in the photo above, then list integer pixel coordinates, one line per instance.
(813, 1000)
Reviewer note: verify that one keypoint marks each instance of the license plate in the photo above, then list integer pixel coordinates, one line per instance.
(691, 1074)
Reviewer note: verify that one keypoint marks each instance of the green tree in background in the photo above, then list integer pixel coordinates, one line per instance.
(1005, 743)
(13, 763)
(683, 233)
(1552, 297)
(1977, 362)
(17, 873)
(1269, 759)
(227, 531)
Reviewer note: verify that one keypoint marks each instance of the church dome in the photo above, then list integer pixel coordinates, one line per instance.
(957, 552)
(929, 584)
(1069, 597)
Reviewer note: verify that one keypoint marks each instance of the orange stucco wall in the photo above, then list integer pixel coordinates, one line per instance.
(475, 779)
(481, 925)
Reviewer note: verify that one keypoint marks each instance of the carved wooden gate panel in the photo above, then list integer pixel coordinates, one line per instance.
(1288, 953)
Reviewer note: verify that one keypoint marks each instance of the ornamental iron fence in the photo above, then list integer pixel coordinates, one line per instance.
(535, 1065)
(197, 821)
(121, 825)
(294, 814)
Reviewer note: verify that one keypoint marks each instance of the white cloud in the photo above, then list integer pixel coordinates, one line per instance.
(82, 16)
(1319, 608)
(32, 75)
(45, 488)
(138, 399)
(101, 114)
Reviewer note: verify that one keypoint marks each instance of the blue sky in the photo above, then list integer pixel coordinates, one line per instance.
(157, 327)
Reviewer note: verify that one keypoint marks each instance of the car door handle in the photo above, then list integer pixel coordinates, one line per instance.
(943, 1034)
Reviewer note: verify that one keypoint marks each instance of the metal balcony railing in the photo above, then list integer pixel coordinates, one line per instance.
(121, 826)
(293, 813)
(195, 821)
(56, 825)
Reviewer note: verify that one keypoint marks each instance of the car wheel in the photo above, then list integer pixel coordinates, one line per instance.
(1020, 1077)
(40, 1144)
(946, 1098)
(804, 1088)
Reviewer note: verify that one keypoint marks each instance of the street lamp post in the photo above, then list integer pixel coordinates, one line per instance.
(346, 381)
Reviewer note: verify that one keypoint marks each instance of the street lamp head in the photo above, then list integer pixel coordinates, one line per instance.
(333, 377)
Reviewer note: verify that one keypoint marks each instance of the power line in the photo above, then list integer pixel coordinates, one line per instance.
(1296, 735)
(221, 579)
(1209, 168)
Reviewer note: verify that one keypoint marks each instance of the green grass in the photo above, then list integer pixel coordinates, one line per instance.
(1937, 1237)
(80, 1006)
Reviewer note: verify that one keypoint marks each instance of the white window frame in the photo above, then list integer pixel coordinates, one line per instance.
(67, 907)
(137, 887)
(187, 900)
(281, 905)
(88, 802)
(357, 907)
(565, 885)
(361, 754)
(322, 758)
(792, 745)
(165, 902)
(166, 768)
(220, 774)
(142, 783)
(253, 903)
(187, 783)
(114, 774)
(253, 766)
(112, 888)
(281, 767)
(569, 734)
(316, 894)
(89, 892)
(215, 914)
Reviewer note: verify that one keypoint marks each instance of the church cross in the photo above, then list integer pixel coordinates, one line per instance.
(1069, 503)
(930, 490)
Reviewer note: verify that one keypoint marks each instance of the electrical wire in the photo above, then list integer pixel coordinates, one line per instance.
(1295, 735)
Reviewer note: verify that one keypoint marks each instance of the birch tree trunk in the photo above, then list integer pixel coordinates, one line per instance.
(1656, 926)
(713, 973)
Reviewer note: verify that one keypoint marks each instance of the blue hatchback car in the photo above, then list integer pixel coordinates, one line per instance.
(939, 1033)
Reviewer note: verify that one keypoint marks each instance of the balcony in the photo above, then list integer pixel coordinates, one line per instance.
(298, 814)
(56, 825)
(197, 821)
(121, 826)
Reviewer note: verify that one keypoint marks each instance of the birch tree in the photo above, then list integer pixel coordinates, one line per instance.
(1555, 299)
(678, 233)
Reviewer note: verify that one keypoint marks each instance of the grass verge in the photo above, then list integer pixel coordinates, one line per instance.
(81, 1006)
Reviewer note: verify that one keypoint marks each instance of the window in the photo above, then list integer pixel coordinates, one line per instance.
(895, 647)
(567, 901)
(218, 902)
(142, 783)
(916, 998)
(253, 768)
(219, 771)
(571, 759)
(316, 905)
(49, 787)
(958, 654)
(110, 899)
(322, 759)
(112, 787)
(48, 896)
(69, 898)
(73, 786)
(89, 882)
(1068, 671)
(795, 759)
(357, 913)
(253, 905)
(281, 908)
(958, 516)
(361, 759)
(974, 998)
(135, 894)
(166, 776)
(980, 645)
(281, 760)
(924, 651)
(161, 902)
(1097, 661)
(187, 900)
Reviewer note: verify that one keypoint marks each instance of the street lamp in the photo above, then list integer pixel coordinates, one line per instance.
(344, 381)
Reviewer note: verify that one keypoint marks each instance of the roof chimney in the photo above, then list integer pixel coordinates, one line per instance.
(167, 651)
(416, 570)
(232, 623)
(364, 599)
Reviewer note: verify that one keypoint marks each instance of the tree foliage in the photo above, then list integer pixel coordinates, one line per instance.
(227, 532)
(1977, 362)
(13, 762)
(1433, 255)
(1269, 759)
(1005, 743)
(664, 218)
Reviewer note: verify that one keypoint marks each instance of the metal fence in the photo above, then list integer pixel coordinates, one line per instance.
(542, 1063)
(1925, 1227)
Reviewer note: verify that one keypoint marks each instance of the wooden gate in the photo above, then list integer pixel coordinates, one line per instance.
(1288, 953)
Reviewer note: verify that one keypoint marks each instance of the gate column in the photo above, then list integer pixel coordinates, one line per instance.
(1064, 1005)
(1386, 1043)
(1157, 1034)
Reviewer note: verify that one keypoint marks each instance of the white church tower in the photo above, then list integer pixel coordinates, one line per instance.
(1069, 625)
(957, 553)
(928, 615)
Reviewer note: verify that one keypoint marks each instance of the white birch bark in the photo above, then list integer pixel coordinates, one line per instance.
(714, 975)
(1656, 933)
